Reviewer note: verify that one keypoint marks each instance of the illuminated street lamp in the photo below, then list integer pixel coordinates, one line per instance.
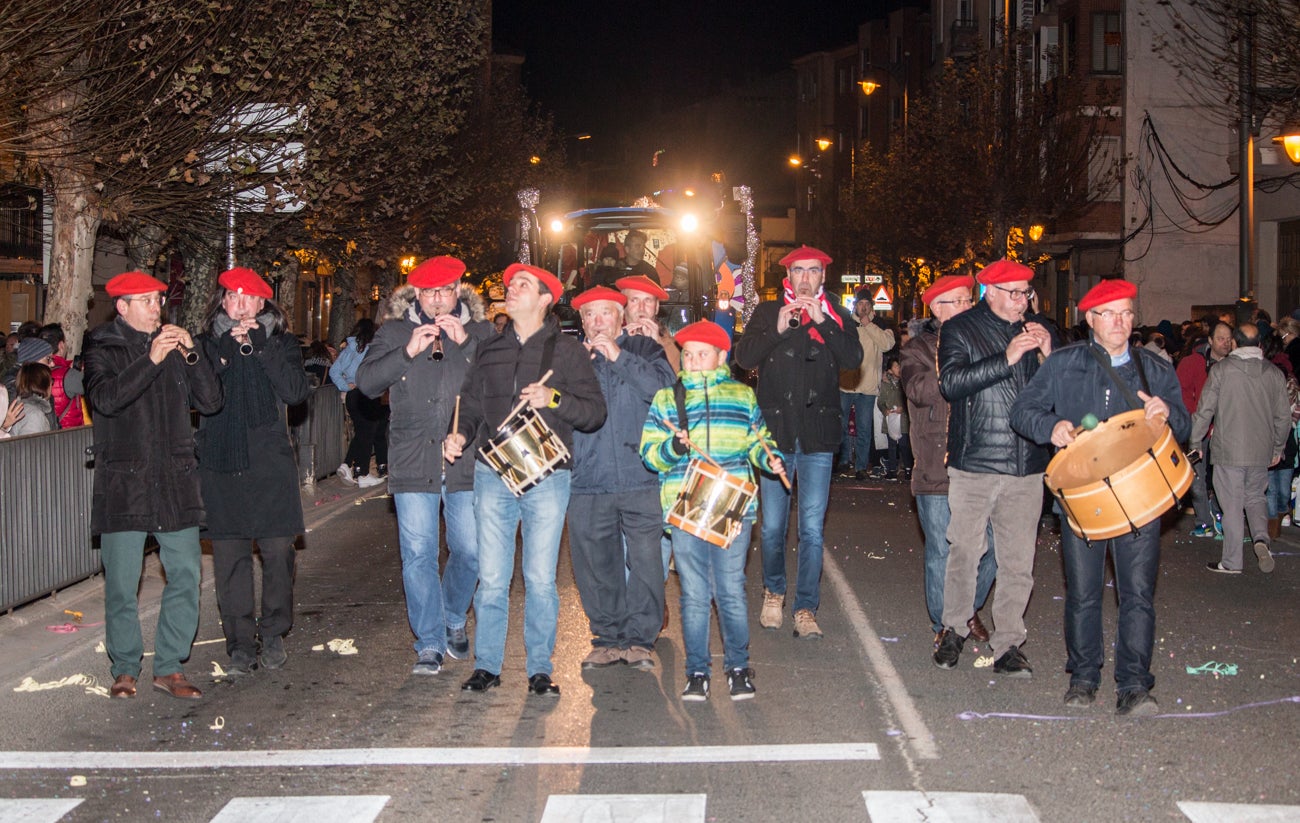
(898, 73)
(1289, 139)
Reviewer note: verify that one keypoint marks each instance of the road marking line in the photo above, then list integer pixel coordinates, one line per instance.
(518, 756)
(354, 808)
(1199, 812)
(625, 808)
(918, 734)
(34, 810)
(915, 807)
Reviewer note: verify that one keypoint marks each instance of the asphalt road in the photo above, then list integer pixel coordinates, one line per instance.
(858, 726)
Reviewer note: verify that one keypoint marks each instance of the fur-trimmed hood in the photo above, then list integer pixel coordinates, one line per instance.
(471, 307)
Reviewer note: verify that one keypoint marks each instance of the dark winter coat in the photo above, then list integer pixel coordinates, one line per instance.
(980, 387)
(263, 499)
(926, 410)
(421, 392)
(799, 377)
(145, 478)
(608, 460)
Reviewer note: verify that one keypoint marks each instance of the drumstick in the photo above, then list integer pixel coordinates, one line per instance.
(785, 481)
(1087, 424)
(523, 403)
(691, 444)
(455, 416)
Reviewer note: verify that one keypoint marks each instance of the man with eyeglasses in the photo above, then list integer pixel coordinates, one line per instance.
(141, 387)
(947, 297)
(799, 344)
(986, 356)
(1102, 377)
(432, 329)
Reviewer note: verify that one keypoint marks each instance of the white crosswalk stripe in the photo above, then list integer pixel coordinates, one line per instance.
(1199, 812)
(35, 810)
(625, 808)
(947, 807)
(359, 808)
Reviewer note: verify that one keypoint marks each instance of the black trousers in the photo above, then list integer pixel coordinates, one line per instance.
(232, 564)
(369, 431)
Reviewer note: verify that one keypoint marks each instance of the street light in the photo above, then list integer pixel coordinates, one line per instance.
(896, 72)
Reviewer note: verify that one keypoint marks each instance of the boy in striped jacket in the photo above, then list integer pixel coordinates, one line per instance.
(717, 417)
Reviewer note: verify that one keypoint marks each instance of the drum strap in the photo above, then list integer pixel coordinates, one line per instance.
(1104, 361)
(683, 423)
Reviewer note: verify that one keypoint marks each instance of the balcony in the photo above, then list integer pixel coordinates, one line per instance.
(963, 39)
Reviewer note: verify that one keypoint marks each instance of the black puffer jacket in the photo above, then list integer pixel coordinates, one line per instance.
(145, 477)
(981, 388)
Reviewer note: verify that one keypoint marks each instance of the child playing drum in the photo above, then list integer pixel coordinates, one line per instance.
(711, 418)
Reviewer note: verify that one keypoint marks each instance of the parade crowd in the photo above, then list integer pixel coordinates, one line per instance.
(652, 454)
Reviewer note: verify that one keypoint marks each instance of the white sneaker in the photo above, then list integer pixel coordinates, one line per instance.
(1286, 520)
(345, 474)
(368, 480)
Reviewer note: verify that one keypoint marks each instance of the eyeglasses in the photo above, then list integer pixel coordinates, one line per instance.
(1109, 316)
(1016, 294)
(443, 290)
(158, 300)
(810, 270)
(956, 301)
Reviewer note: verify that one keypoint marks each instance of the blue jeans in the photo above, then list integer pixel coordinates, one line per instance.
(1279, 491)
(858, 448)
(1137, 561)
(707, 575)
(933, 512)
(434, 605)
(499, 514)
(813, 472)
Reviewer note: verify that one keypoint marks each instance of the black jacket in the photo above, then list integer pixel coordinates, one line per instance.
(798, 377)
(145, 478)
(505, 367)
(980, 388)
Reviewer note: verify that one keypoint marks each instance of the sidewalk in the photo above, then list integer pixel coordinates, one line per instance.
(39, 634)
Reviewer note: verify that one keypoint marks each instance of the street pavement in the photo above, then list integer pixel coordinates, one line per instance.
(858, 726)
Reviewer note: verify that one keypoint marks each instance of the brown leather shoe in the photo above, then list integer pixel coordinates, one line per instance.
(123, 686)
(177, 686)
(977, 629)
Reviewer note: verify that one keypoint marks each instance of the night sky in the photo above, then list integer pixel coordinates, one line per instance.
(599, 65)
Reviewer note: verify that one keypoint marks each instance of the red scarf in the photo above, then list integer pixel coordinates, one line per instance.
(804, 319)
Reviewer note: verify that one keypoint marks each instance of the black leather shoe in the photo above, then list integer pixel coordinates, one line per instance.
(1013, 663)
(1078, 696)
(1137, 703)
(949, 650)
(977, 629)
(480, 681)
(541, 684)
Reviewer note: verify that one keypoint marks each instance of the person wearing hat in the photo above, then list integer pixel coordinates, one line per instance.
(614, 500)
(799, 344)
(141, 388)
(533, 364)
(986, 356)
(433, 328)
(641, 315)
(607, 269)
(29, 350)
(947, 297)
(35, 384)
(709, 411)
(247, 468)
(1099, 378)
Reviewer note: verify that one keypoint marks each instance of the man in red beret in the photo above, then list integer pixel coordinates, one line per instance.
(247, 468)
(433, 328)
(946, 298)
(509, 370)
(1099, 378)
(644, 294)
(615, 522)
(986, 356)
(799, 344)
(141, 388)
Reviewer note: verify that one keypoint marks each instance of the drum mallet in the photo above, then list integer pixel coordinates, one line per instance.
(785, 481)
(1086, 424)
(691, 444)
(523, 403)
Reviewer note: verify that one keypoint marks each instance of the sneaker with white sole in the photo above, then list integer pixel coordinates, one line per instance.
(1217, 566)
(366, 481)
(458, 643)
(773, 610)
(345, 474)
(429, 661)
(741, 684)
(1264, 556)
(697, 688)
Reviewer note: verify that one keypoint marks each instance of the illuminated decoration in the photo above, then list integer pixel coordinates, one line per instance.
(1289, 140)
(1035, 232)
(528, 199)
(745, 196)
(823, 143)
(654, 161)
(406, 264)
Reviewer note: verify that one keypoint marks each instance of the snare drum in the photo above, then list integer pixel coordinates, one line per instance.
(711, 504)
(1120, 476)
(525, 451)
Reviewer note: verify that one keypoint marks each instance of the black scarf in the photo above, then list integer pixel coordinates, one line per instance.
(250, 403)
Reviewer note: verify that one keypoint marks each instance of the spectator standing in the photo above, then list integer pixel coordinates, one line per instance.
(858, 388)
(67, 387)
(318, 362)
(1193, 370)
(13, 413)
(34, 384)
(892, 404)
(369, 416)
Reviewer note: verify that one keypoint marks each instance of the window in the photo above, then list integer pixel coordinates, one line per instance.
(842, 80)
(1107, 43)
(1068, 38)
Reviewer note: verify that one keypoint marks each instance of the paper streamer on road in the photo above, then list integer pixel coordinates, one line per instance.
(1214, 668)
(968, 715)
(338, 645)
(91, 684)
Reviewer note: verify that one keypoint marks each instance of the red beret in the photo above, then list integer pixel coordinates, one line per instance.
(245, 281)
(134, 282)
(1005, 271)
(435, 272)
(642, 283)
(704, 331)
(1106, 291)
(947, 283)
(595, 293)
(550, 281)
(805, 253)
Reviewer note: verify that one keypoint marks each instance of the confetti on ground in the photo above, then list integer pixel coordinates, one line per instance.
(969, 715)
(218, 724)
(77, 781)
(984, 662)
(91, 684)
(1214, 668)
(874, 556)
(338, 646)
(76, 616)
(890, 639)
(69, 628)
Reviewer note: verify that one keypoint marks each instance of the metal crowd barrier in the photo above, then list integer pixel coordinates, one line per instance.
(45, 488)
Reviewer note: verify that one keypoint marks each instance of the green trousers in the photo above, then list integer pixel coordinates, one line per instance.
(178, 615)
